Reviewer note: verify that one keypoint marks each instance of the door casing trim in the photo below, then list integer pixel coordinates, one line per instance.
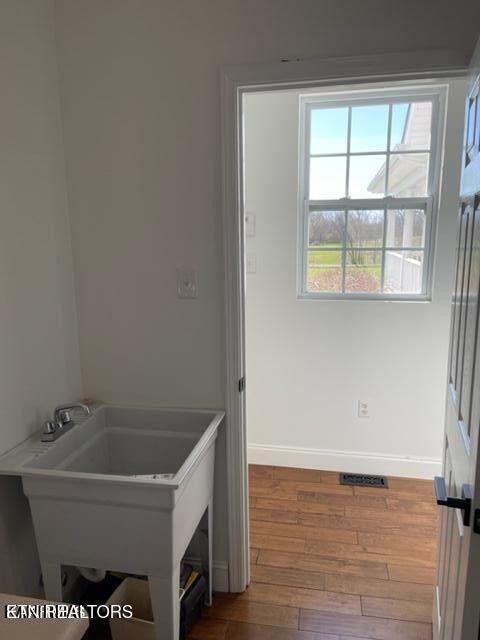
(234, 82)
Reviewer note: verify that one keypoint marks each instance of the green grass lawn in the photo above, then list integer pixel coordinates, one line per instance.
(317, 256)
(333, 257)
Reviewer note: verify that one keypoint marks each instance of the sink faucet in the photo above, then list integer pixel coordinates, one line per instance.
(61, 414)
(62, 420)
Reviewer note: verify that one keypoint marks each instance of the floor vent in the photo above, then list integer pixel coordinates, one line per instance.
(364, 480)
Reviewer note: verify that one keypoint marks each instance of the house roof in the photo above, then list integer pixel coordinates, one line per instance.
(407, 171)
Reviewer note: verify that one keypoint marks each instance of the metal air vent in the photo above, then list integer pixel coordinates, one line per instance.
(364, 480)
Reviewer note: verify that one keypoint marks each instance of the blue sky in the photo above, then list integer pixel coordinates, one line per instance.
(369, 133)
(369, 128)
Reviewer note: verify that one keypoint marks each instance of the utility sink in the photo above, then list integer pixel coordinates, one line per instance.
(123, 490)
(125, 442)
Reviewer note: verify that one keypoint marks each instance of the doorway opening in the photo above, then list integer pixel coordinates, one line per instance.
(348, 282)
(345, 222)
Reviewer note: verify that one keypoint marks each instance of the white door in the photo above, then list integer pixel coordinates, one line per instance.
(457, 606)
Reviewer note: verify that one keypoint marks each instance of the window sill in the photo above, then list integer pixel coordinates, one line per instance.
(363, 297)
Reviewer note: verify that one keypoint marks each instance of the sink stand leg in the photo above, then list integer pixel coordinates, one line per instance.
(164, 594)
(52, 581)
(210, 553)
(207, 551)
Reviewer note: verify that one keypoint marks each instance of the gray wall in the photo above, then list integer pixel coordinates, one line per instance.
(140, 92)
(140, 84)
(39, 359)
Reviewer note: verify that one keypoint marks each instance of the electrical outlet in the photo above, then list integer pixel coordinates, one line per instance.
(363, 410)
(250, 225)
(251, 263)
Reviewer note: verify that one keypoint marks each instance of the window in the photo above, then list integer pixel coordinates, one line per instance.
(368, 186)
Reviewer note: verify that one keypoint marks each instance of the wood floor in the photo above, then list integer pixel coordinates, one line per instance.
(332, 562)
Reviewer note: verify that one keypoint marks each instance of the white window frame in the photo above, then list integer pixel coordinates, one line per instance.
(437, 94)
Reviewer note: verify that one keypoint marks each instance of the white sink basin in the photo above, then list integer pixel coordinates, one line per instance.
(123, 442)
(123, 490)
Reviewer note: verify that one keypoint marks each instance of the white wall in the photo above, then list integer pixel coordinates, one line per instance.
(308, 361)
(39, 359)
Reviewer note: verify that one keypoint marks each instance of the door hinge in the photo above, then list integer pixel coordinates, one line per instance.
(241, 384)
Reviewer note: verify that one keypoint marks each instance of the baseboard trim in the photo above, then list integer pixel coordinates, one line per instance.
(220, 573)
(331, 460)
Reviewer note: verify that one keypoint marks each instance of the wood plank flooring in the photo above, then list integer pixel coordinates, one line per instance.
(332, 562)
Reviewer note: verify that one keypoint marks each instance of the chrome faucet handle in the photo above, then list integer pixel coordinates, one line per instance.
(50, 426)
(64, 416)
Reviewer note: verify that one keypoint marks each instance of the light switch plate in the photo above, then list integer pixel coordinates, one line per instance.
(187, 282)
(363, 409)
(251, 263)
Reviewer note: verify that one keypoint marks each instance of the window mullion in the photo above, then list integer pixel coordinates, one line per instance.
(306, 224)
(349, 133)
(344, 252)
(371, 203)
(384, 242)
(347, 193)
(387, 161)
(428, 245)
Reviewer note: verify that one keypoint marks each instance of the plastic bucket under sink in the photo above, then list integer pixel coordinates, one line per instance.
(135, 593)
